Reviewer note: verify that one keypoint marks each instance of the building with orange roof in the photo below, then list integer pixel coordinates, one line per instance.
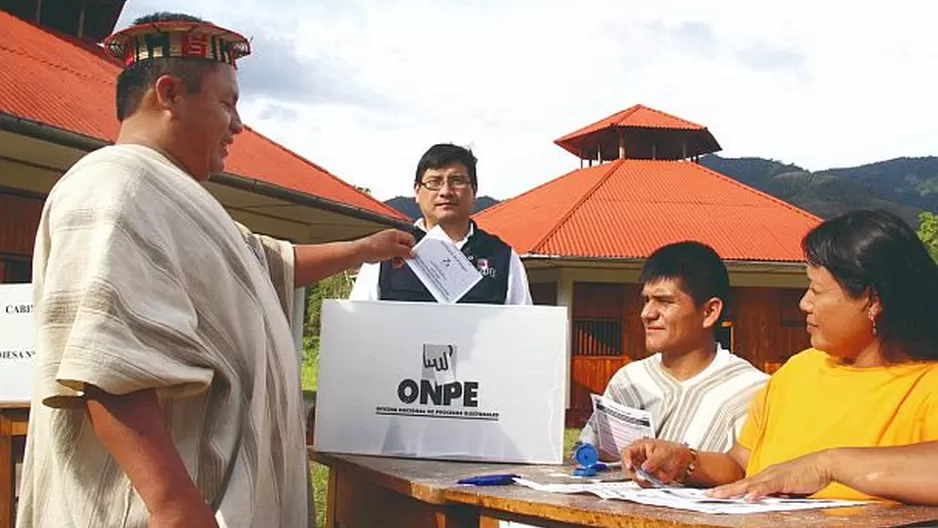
(584, 236)
(57, 104)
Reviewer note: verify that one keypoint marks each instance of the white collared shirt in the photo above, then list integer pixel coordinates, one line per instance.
(366, 284)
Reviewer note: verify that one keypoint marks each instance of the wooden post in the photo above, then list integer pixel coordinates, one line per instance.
(621, 144)
(14, 422)
(81, 20)
(7, 472)
(599, 153)
(38, 19)
(684, 149)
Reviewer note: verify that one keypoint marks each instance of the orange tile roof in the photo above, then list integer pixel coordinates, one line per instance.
(639, 116)
(628, 208)
(63, 82)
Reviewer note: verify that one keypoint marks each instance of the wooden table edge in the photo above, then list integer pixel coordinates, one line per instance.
(421, 492)
(533, 511)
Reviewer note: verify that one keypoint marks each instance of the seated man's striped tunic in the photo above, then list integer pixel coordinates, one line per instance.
(706, 411)
(143, 281)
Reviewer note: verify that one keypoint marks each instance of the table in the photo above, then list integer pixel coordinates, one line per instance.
(378, 491)
(14, 419)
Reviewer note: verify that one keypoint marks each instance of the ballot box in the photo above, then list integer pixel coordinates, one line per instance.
(443, 381)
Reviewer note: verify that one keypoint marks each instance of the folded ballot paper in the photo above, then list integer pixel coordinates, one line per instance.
(442, 267)
(686, 498)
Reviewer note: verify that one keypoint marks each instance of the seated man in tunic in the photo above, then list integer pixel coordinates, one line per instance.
(445, 187)
(697, 392)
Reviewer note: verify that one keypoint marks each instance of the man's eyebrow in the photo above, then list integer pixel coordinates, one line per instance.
(659, 296)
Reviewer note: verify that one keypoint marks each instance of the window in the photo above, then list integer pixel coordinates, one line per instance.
(15, 269)
(544, 293)
(724, 335)
(789, 314)
(597, 337)
(598, 311)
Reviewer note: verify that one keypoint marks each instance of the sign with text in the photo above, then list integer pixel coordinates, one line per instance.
(17, 343)
(445, 381)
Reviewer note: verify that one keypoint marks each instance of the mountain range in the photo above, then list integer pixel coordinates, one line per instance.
(905, 186)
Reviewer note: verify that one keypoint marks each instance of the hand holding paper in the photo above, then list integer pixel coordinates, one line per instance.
(663, 460)
(442, 267)
(617, 426)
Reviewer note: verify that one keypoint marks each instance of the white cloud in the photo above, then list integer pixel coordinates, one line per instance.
(374, 83)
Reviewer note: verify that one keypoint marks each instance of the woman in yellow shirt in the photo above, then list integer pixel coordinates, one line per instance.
(856, 415)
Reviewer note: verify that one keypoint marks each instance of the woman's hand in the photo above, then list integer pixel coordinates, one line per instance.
(802, 476)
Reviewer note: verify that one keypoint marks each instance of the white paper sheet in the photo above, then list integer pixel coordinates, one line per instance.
(686, 498)
(617, 425)
(442, 267)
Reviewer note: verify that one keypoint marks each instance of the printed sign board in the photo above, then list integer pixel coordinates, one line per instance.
(17, 343)
(444, 381)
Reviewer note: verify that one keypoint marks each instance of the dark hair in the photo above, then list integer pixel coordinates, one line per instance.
(443, 154)
(876, 252)
(696, 266)
(134, 81)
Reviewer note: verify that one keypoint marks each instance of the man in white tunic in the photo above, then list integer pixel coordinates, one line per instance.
(167, 391)
(697, 391)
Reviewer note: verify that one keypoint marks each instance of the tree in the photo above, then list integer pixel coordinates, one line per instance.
(335, 287)
(928, 232)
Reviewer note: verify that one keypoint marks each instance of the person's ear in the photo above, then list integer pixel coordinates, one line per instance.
(712, 311)
(169, 91)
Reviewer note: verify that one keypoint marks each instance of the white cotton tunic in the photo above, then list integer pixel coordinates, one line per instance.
(143, 281)
(706, 411)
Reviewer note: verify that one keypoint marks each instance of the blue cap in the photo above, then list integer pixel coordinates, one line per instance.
(586, 455)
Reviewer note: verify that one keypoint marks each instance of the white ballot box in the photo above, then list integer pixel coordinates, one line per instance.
(445, 381)
(17, 343)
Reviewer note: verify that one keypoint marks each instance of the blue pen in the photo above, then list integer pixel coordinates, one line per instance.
(490, 480)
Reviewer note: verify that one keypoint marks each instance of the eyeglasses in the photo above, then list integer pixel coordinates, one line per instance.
(435, 184)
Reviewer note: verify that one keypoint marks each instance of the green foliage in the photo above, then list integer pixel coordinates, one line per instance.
(928, 232)
(336, 287)
(905, 186)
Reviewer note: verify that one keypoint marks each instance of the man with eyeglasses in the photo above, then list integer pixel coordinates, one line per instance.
(445, 187)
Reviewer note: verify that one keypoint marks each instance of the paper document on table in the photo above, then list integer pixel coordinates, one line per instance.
(686, 498)
(617, 426)
(442, 267)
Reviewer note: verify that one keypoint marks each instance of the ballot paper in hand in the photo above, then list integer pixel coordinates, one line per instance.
(617, 426)
(442, 267)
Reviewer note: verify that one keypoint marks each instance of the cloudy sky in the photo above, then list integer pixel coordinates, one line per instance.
(364, 87)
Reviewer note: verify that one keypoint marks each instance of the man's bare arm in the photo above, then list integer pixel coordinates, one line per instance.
(132, 429)
(314, 262)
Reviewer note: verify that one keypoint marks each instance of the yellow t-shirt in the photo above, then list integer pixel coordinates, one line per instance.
(813, 403)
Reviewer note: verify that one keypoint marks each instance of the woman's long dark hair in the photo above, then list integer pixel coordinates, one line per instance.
(876, 252)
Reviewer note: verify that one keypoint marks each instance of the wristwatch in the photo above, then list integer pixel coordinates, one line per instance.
(691, 466)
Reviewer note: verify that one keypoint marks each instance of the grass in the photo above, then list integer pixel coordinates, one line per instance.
(319, 474)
